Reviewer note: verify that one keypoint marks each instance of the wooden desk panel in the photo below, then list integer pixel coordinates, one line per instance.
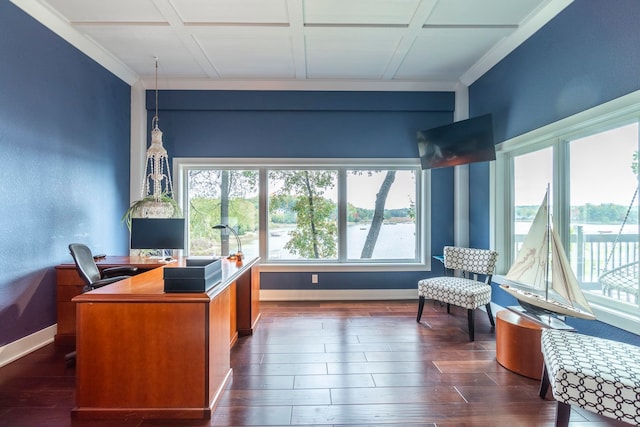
(69, 285)
(248, 301)
(111, 334)
(142, 353)
(233, 315)
(219, 356)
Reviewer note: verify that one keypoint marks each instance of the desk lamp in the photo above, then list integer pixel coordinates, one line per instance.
(238, 255)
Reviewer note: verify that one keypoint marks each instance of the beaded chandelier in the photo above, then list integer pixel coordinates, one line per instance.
(157, 177)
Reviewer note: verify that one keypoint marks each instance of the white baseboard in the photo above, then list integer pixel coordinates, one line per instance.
(23, 346)
(337, 294)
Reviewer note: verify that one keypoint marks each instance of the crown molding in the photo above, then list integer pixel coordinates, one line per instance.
(301, 85)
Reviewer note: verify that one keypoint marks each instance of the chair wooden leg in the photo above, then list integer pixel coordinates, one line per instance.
(470, 323)
(488, 307)
(420, 308)
(563, 413)
(544, 382)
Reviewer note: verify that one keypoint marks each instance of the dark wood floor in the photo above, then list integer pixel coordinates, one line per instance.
(329, 364)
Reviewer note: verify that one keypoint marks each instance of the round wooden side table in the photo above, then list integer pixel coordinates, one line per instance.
(518, 344)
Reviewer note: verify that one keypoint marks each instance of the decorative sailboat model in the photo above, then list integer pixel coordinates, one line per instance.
(541, 278)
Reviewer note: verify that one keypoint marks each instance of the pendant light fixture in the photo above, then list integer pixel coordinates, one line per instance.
(157, 181)
(156, 198)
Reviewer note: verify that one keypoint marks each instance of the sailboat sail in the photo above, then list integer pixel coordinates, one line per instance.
(530, 264)
(563, 281)
(531, 270)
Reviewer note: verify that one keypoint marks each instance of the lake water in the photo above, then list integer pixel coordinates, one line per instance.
(395, 241)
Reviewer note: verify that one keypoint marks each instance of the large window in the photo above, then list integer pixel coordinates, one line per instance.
(334, 213)
(593, 176)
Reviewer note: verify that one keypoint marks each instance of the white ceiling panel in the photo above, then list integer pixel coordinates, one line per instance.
(368, 44)
(248, 56)
(232, 11)
(106, 11)
(445, 51)
(138, 46)
(362, 12)
(356, 58)
(485, 12)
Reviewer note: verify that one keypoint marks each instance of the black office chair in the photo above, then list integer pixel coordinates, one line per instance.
(88, 270)
(93, 278)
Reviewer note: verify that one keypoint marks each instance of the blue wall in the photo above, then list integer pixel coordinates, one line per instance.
(586, 56)
(64, 138)
(281, 124)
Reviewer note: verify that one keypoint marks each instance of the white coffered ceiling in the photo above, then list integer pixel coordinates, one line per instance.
(296, 44)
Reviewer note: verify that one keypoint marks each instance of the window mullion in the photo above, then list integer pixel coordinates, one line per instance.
(561, 191)
(263, 209)
(342, 214)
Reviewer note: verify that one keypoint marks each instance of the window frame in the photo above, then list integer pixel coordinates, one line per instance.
(619, 112)
(422, 261)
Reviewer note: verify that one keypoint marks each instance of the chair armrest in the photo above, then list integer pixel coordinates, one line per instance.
(103, 282)
(125, 270)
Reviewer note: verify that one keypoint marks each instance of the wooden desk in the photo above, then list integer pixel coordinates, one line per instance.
(143, 353)
(69, 285)
(518, 344)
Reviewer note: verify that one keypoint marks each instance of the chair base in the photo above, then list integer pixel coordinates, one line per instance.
(470, 316)
(563, 410)
(70, 359)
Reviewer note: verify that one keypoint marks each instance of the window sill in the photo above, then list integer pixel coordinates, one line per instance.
(341, 267)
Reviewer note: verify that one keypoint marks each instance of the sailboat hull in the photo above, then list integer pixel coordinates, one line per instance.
(543, 317)
(551, 306)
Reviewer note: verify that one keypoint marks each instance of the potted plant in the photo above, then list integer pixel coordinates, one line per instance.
(153, 206)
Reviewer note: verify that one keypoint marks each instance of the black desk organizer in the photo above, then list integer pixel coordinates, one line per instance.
(198, 276)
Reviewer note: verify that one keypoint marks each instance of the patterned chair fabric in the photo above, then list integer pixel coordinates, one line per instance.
(461, 292)
(466, 292)
(479, 261)
(596, 374)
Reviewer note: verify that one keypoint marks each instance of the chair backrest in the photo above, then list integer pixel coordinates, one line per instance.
(86, 265)
(478, 261)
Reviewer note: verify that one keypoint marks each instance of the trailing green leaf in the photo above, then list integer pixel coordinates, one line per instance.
(164, 206)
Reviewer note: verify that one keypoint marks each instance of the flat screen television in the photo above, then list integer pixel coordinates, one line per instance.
(157, 233)
(459, 143)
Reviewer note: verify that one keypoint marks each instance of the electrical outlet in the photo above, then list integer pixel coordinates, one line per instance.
(314, 278)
